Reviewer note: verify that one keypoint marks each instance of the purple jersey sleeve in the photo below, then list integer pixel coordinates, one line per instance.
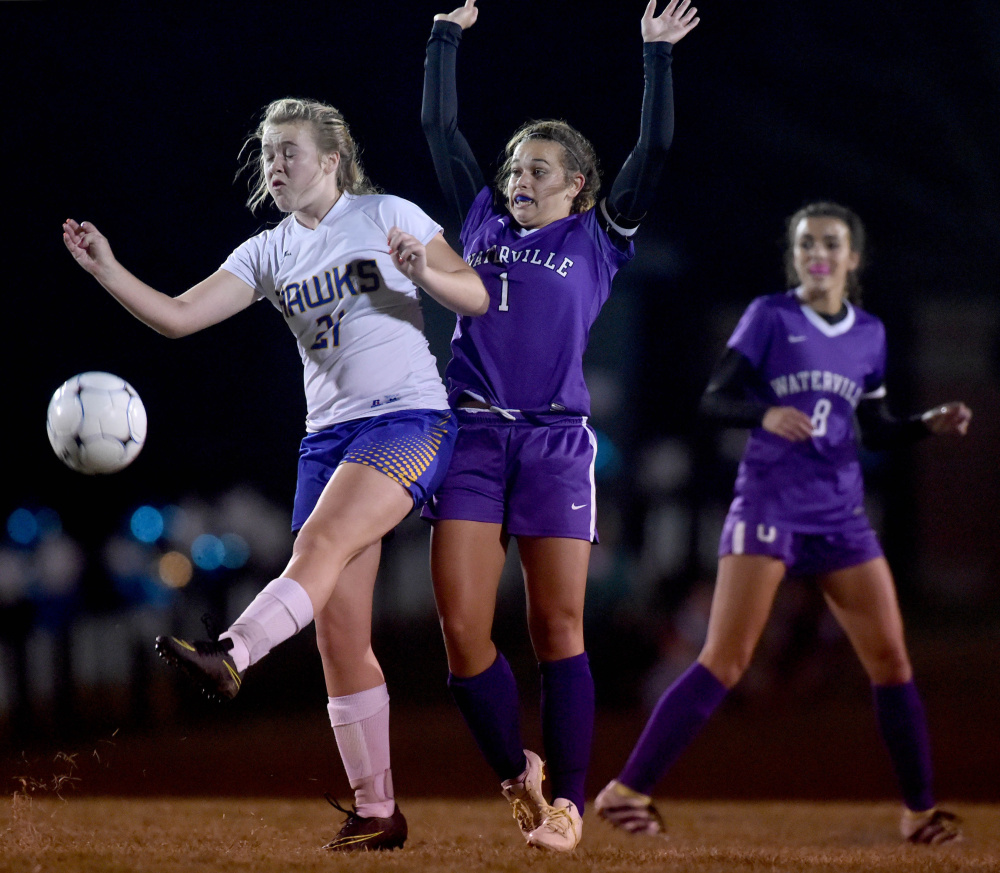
(752, 334)
(479, 214)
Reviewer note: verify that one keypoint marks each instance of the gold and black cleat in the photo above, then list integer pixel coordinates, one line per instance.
(207, 663)
(360, 834)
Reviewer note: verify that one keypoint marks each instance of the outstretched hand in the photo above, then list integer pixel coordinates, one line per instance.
(672, 25)
(949, 418)
(465, 16)
(88, 246)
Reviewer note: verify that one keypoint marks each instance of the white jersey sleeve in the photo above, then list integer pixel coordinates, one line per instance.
(355, 317)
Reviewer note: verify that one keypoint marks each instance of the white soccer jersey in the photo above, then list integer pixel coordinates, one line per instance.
(356, 318)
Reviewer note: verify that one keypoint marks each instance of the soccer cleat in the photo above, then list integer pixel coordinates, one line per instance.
(561, 829)
(208, 663)
(628, 810)
(525, 795)
(930, 828)
(360, 834)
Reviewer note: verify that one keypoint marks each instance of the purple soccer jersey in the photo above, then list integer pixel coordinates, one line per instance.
(823, 369)
(546, 288)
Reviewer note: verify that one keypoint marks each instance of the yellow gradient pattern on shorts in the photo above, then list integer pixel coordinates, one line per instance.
(403, 459)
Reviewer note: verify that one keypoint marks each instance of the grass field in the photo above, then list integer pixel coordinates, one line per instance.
(806, 787)
(80, 835)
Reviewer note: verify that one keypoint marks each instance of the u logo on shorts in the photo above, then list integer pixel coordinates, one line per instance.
(767, 534)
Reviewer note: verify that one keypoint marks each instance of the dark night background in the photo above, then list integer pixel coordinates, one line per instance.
(133, 116)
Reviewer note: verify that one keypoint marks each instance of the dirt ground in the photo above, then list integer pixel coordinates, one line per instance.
(268, 835)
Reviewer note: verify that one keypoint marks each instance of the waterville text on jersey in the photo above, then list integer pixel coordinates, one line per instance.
(507, 255)
(817, 380)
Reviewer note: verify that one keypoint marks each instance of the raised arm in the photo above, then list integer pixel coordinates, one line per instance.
(457, 170)
(634, 189)
(213, 300)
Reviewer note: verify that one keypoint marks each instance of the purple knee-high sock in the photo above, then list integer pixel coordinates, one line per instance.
(490, 706)
(679, 714)
(567, 724)
(903, 726)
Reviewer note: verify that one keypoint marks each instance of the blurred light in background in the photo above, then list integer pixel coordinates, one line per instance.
(162, 537)
(237, 551)
(25, 527)
(147, 524)
(207, 552)
(22, 527)
(175, 570)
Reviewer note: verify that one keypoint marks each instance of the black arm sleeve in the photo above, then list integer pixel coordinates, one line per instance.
(458, 172)
(634, 189)
(728, 399)
(880, 429)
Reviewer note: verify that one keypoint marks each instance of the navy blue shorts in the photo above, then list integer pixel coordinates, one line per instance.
(803, 554)
(536, 479)
(412, 447)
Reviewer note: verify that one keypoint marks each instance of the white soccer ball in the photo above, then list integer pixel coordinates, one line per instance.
(96, 423)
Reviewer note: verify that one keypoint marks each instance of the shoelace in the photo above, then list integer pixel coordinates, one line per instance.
(212, 630)
(213, 645)
(562, 823)
(350, 813)
(522, 815)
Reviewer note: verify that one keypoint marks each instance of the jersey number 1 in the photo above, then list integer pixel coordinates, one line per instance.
(503, 293)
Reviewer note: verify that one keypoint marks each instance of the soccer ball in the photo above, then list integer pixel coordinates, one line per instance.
(96, 423)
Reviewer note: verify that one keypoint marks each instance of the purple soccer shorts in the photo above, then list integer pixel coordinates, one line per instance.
(535, 479)
(804, 554)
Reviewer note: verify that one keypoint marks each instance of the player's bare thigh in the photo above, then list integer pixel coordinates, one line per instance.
(467, 560)
(358, 506)
(745, 588)
(555, 582)
(863, 600)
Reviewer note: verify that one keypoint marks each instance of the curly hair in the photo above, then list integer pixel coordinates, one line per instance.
(578, 157)
(331, 133)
